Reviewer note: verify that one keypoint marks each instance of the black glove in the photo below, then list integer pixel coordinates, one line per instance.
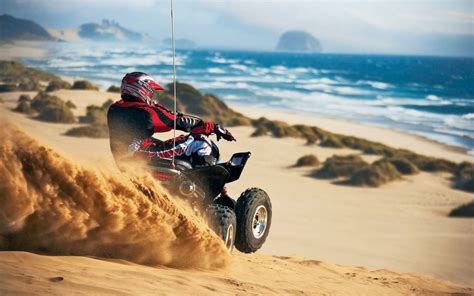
(223, 133)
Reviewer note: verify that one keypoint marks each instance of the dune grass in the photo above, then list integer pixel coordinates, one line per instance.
(464, 176)
(89, 131)
(46, 107)
(465, 210)
(84, 85)
(309, 160)
(24, 105)
(114, 89)
(96, 117)
(57, 85)
(403, 165)
(206, 106)
(340, 166)
(375, 175)
(14, 76)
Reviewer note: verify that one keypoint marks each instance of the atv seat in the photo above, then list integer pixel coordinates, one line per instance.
(166, 163)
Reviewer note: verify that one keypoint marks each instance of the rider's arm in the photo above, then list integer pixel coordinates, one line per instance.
(184, 122)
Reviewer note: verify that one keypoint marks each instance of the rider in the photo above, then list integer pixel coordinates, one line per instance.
(137, 116)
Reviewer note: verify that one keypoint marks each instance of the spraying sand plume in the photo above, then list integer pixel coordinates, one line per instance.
(51, 205)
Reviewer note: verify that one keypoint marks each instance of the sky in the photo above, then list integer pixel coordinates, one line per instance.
(418, 27)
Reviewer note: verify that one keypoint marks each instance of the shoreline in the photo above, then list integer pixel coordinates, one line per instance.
(361, 130)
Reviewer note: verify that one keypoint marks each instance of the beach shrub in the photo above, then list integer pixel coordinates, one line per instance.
(114, 89)
(380, 172)
(96, 116)
(84, 85)
(71, 105)
(58, 114)
(307, 160)
(14, 76)
(427, 163)
(260, 131)
(208, 107)
(465, 210)
(464, 176)
(278, 129)
(403, 165)
(340, 166)
(43, 100)
(89, 131)
(24, 107)
(57, 85)
(332, 141)
(52, 109)
(24, 98)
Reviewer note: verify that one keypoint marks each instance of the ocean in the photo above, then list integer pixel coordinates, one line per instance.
(428, 96)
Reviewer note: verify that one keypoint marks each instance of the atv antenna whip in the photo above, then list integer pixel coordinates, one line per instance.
(174, 84)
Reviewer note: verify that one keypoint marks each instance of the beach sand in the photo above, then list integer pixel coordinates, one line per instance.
(401, 226)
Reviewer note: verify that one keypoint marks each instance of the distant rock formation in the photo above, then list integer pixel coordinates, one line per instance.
(180, 43)
(299, 41)
(12, 28)
(109, 30)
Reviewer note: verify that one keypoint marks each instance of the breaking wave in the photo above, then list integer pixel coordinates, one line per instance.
(51, 205)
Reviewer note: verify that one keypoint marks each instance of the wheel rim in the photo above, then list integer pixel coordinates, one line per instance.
(259, 221)
(229, 238)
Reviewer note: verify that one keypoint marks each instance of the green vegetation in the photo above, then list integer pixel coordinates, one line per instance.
(24, 98)
(465, 210)
(96, 117)
(57, 85)
(24, 105)
(340, 166)
(14, 76)
(114, 89)
(89, 131)
(260, 131)
(208, 107)
(380, 172)
(48, 108)
(464, 176)
(307, 160)
(403, 165)
(85, 85)
(52, 109)
(71, 105)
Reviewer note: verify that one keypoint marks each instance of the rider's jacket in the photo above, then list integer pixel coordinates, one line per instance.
(134, 122)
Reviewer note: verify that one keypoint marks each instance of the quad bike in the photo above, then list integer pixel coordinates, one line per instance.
(245, 222)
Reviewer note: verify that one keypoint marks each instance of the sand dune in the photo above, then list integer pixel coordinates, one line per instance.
(247, 275)
(401, 226)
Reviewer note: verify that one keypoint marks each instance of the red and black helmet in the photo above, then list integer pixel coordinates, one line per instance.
(140, 85)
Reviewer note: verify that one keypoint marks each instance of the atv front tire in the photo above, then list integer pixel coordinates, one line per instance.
(254, 216)
(224, 223)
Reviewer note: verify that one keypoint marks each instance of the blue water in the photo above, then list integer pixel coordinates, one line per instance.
(429, 96)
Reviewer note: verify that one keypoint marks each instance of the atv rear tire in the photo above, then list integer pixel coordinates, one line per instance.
(254, 216)
(224, 223)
